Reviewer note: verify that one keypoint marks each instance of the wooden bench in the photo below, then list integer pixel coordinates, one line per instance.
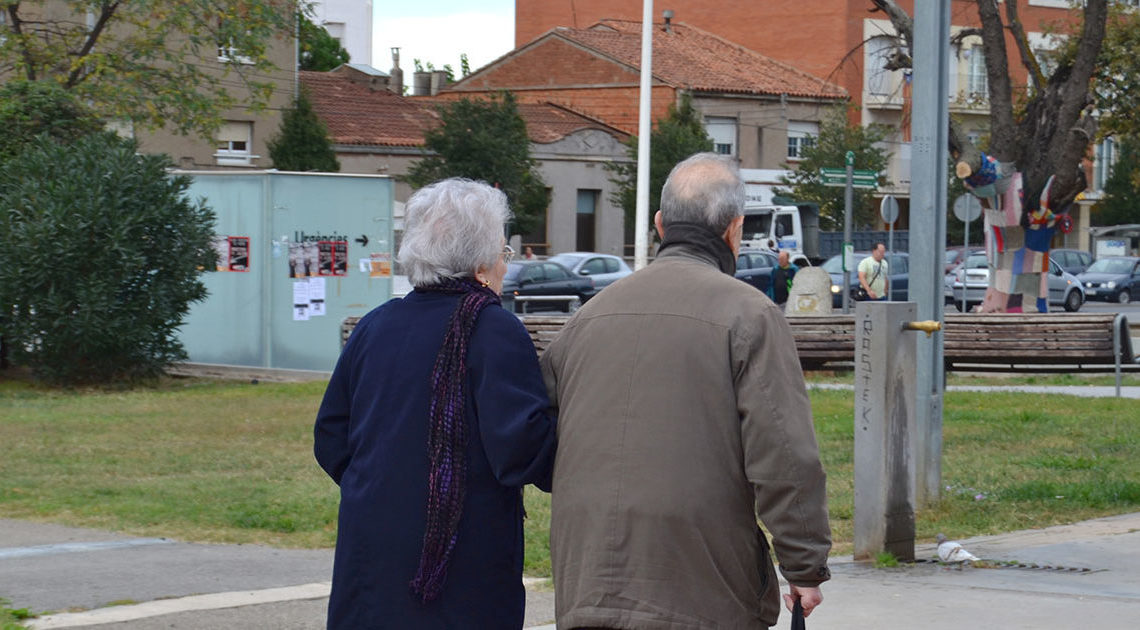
(1037, 342)
(1014, 342)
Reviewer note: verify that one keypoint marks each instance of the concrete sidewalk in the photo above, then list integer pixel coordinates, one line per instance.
(1093, 580)
(1083, 391)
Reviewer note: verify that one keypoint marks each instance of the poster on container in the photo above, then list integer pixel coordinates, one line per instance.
(333, 258)
(316, 297)
(238, 253)
(304, 259)
(231, 252)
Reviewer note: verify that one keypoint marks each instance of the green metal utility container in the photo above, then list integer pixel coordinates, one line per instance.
(297, 253)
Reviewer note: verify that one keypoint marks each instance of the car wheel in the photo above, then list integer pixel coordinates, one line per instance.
(1073, 301)
(1124, 297)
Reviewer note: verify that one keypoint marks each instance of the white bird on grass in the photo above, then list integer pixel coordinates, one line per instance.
(952, 551)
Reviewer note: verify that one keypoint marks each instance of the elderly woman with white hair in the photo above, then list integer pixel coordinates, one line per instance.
(434, 419)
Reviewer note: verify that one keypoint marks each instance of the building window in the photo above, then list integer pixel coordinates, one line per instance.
(801, 135)
(977, 84)
(1104, 157)
(234, 141)
(723, 134)
(586, 215)
(878, 51)
(336, 30)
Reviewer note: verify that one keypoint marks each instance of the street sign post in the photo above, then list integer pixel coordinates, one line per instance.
(849, 179)
(966, 208)
(889, 210)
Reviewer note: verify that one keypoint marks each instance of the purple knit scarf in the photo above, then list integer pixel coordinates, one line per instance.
(447, 439)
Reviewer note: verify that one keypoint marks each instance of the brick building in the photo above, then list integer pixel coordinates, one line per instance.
(756, 108)
(842, 41)
(376, 131)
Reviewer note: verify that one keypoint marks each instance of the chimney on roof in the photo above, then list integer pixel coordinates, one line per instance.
(438, 81)
(396, 76)
(668, 15)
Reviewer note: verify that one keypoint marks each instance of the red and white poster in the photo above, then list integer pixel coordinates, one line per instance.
(333, 258)
(232, 252)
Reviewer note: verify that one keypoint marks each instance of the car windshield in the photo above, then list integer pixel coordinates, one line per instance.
(513, 270)
(951, 256)
(977, 261)
(757, 226)
(1111, 265)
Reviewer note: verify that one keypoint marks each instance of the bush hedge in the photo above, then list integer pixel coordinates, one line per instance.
(101, 254)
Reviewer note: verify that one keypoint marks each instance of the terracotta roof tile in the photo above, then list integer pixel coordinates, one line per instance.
(356, 115)
(691, 58)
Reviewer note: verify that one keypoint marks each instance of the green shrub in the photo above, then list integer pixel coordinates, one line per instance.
(100, 258)
(31, 108)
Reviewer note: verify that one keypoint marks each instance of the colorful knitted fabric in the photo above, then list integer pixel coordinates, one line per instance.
(447, 438)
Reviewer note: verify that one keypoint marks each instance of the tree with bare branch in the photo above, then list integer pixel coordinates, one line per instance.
(1039, 137)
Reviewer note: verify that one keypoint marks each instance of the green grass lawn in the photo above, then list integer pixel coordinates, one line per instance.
(232, 462)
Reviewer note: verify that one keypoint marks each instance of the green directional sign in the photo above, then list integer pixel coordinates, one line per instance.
(859, 178)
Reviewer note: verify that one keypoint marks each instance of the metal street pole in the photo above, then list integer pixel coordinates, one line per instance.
(848, 201)
(928, 221)
(644, 126)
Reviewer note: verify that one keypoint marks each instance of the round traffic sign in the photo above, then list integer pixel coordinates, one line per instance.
(889, 209)
(967, 208)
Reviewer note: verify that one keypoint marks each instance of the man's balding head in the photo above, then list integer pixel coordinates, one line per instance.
(705, 188)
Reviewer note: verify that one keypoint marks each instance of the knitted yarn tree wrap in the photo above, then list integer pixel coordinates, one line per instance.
(448, 435)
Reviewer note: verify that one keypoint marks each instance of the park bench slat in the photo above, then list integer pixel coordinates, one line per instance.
(998, 342)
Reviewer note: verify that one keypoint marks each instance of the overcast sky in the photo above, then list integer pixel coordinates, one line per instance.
(440, 30)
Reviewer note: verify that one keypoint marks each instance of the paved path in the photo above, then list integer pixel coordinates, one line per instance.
(1084, 391)
(165, 584)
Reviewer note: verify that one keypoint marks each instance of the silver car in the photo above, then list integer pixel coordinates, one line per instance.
(603, 269)
(974, 275)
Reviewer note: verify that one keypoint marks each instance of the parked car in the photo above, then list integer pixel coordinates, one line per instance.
(973, 276)
(603, 269)
(544, 278)
(1115, 278)
(898, 265)
(1074, 261)
(755, 267)
(955, 256)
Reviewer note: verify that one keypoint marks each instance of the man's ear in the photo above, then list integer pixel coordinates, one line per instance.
(660, 226)
(733, 234)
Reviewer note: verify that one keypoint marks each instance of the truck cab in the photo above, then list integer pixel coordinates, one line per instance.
(794, 228)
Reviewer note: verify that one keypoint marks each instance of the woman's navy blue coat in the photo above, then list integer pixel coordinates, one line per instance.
(371, 437)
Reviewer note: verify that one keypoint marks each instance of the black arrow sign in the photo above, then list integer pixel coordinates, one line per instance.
(363, 240)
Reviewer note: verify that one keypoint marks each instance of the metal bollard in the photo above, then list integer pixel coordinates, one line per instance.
(885, 432)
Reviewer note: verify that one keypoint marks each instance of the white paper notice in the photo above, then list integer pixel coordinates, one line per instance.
(316, 297)
(301, 301)
(365, 265)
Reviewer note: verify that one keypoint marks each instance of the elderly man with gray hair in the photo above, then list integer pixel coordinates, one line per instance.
(683, 416)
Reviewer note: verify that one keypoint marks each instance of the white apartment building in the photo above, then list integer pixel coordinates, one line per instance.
(350, 22)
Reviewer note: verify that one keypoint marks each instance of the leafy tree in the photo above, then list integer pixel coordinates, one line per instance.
(153, 63)
(303, 143)
(675, 137)
(485, 140)
(319, 50)
(1122, 188)
(837, 136)
(100, 257)
(31, 108)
